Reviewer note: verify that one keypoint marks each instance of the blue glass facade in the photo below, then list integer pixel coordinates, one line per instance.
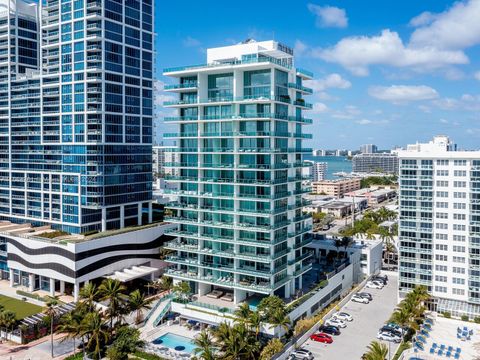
(76, 118)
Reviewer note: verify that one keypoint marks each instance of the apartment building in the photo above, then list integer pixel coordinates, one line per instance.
(368, 149)
(439, 227)
(337, 187)
(161, 157)
(241, 230)
(375, 162)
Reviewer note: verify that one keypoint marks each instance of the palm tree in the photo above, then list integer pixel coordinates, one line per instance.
(97, 333)
(243, 313)
(376, 351)
(70, 325)
(7, 320)
(346, 242)
(204, 346)
(112, 290)
(280, 319)
(137, 303)
(51, 311)
(89, 295)
(182, 288)
(254, 322)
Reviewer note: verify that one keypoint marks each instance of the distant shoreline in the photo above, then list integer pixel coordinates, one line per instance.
(335, 164)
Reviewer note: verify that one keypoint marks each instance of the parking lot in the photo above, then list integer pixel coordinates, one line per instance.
(367, 319)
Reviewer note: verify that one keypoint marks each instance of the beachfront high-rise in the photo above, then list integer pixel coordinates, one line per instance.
(241, 229)
(76, 113)
(439, 227)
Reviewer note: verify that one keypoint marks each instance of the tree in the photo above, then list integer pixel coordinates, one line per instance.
(89, 294)
(243, 313)
(137, 303)
(97, 333)
(280, 319)
(204, 346)
(182, 288)
(52, 312)
(127, 341)
(113, 291)
(274, 346)
(162, 284)
(70, 325)
(376, 351)
(346, 242)
(255, 323)
(7, 320)
(268, 306)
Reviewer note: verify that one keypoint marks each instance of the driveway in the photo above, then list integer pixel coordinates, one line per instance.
(367, 319)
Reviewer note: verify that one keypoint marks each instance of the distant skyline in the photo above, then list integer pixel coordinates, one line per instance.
(388, 73)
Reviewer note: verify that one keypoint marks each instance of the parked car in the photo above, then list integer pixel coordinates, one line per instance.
(366, 295)
(343, 316)
(388, 336)
(336, 322)
(374, 285)
(330, 330)
(379, 279)
(360, 299)
(322, 337)
(302, 354)
(391, 330)
(395, 327)
(384, 277)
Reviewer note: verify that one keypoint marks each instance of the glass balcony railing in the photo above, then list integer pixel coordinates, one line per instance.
(305, 73)
(186, 85)
(304, 89)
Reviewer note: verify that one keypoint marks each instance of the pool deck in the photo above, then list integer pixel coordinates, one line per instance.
(444, 331)
(174, 329)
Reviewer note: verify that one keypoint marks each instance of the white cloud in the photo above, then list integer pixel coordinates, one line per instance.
(349, 112)
(357, 53)
(329, 16)
(330, 81)
(477, 75)
(319, 107)
(371, 122)
(443, 121)
(191, 42)
(403, 93)
(424, 18)
(300, 48)
(466, 102)
(364, 122)
(454, 29)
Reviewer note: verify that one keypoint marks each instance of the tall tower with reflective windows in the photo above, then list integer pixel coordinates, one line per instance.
(76, 114)
(241, 229)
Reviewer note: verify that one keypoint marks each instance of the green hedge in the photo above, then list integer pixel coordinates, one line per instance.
(77, 356)
(33, 296)
(145, 356)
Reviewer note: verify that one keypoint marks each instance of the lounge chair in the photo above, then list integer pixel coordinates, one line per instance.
(432, 350)
(456, 356)
(448, 354)
(440, 352)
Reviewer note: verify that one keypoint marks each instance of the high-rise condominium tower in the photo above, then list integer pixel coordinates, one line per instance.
(439, 226)
(76, 113)
(240, 223)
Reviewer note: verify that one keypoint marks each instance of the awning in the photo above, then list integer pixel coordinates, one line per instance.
(132, 273)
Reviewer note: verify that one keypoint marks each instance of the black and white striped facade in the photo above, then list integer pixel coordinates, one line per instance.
(79, 262)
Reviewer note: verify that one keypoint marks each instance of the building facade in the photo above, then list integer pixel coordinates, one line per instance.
(368, 149)
(161, 157)
(76, 113)
(337, 187)
(319, 171)
(240, 223)
(439, 227)
(375, 162)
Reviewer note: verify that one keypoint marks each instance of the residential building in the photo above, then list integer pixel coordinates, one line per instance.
(375, 195)
(161, 156)
(319, 153)
(241, 229)
(76, 114)
(386, 163)
(337, 187)
(319, 171)
(75, 141)
(368, 149)
(439, 229)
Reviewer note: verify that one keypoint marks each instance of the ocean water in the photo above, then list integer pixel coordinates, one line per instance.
(335, 164)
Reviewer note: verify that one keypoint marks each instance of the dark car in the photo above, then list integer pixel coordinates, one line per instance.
(365, 295)
(330, 330)
(382, 277)
(380, 280)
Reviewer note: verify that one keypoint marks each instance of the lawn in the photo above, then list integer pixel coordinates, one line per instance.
(21, 308)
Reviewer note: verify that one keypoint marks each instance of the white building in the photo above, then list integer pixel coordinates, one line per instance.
(164, 160)
(368, 149)
(439, 224)
(319, 171)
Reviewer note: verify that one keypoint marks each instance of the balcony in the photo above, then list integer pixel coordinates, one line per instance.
(305, 74)
(183, 86)
(304, 89)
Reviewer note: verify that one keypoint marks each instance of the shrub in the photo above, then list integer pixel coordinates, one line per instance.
(53, 234)
(465, 318)
(274, 346)
(476, 319)
(447, 315)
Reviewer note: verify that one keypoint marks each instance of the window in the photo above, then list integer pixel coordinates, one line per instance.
(442, 172)
(440, 278)
(441, 247)
(459, 206)
(441, 215)
(459, 227)
(441, 205)
(441, 289)
(460, 162)
(460, 195)
(443, 194)
(459, 259)
(459, 238)
(461, 184)
(458, 281)
(441, 236)
(441, 257)
(442, 183)
(442, 268)
(441, 226)
(442, 162)
(459, 216)
(460, 173)
(456, 291)
(458, 270)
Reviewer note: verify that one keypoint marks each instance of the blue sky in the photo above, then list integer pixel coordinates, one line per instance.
(386, 72)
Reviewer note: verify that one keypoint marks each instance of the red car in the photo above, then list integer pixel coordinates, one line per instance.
(322, 337)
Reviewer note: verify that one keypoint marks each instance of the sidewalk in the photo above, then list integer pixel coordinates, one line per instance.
(36, 350)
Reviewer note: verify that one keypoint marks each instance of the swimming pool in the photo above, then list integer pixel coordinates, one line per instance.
(175, 342)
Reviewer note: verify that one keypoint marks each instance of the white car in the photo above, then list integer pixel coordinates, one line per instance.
(302, 354)
(388, 337)
(374, 285)
(343, 316)
(360, 299)
(335, 322)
